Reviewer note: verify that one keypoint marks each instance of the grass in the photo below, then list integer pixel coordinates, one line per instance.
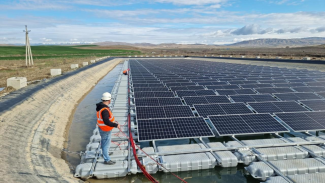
(44, 52)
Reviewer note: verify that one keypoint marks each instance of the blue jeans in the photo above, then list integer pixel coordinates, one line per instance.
(105, 143)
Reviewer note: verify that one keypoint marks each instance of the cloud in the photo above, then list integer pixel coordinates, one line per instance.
(192, 2)
(251, 29)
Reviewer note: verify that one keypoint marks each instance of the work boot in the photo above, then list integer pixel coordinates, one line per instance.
(110, 162)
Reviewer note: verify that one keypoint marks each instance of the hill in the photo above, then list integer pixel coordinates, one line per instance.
(301, 42)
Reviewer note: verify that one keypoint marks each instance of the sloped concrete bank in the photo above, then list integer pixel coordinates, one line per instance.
(32, 134)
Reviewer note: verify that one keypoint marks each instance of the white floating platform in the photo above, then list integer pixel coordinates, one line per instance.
(260, 170)
(282, 153)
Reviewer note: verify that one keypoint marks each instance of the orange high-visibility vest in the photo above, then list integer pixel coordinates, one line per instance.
(125, 72)
(100, 121)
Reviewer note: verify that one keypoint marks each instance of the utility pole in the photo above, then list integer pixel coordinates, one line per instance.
(29, 56)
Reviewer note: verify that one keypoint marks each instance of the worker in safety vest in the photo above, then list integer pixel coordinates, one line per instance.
(125, 72)
(106, 122)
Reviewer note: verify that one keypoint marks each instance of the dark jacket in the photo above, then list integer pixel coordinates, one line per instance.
(105, 115)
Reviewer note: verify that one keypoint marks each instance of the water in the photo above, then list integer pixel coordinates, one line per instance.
(83, 124)
(84, 119)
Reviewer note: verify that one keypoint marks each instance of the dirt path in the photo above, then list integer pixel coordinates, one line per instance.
(32, 133)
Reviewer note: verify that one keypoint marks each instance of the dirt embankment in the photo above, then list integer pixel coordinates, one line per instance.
(32, 134)
(40, 70)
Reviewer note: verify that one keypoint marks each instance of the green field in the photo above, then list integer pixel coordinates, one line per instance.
(43, 52)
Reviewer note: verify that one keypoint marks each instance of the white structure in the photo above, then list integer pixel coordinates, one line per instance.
(306, 58)
(230, 56)
(84, 63)
(17, 82)
(242, 56)
(74, 66)
(221, 56)
(93, 61)
(55, 72)
(29, 55)
(205, 55)
(278, 57)
(258, 57)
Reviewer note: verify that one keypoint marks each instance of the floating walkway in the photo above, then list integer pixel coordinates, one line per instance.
(277, 160)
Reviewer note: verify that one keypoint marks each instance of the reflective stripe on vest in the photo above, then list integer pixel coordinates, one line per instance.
(100, 121)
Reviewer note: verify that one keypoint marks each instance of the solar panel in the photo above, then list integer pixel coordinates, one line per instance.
(156, 129)
(273, 90)
(178, 111)
(146, 102)
(244, 91)
(246, 124)
(316, 105)
(195, 100)
(309, 89)
(226, 92)
(178, 88)
(163, 94)
(170, 101)
(150, 112)
(273, 107)
(217, 99)
(175, 128)
(220, 109)
(204, 92)
(143, 94)
(151, 89)
(191, 127)
(195, 87)
(235, 108)
(153, 94)
(242, 98)
(296, 96)
(211, 109)
(141, 85)
(303, 121)
(186, 93)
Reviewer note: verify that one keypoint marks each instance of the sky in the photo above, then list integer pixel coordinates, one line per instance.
(159, 21)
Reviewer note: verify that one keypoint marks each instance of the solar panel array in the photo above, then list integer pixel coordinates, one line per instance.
(166, 89)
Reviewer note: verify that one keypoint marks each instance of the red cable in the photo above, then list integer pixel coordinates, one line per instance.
(143, 169)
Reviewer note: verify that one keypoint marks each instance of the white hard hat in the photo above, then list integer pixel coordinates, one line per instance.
(106, 96)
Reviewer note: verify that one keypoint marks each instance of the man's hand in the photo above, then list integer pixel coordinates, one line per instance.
(118, 126)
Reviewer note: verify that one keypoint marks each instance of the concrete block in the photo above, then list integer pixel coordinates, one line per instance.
(17, 82)
(84, 63)
(74, 66)
(258, 57)
(306, 58)
(278, 57)
(230, 56)
(221, 56)
(242, 56)
(93, 61)
(56, 72)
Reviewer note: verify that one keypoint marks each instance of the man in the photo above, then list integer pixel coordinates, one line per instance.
(125, 72)
(106, 122)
